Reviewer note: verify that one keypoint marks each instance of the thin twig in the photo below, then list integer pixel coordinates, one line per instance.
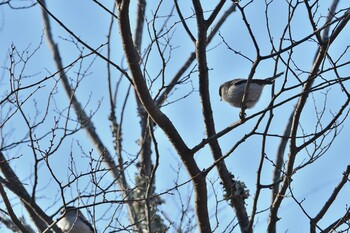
(12, 214)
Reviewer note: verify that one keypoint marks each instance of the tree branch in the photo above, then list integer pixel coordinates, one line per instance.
(83, 118)
(320, 55)
(160, 118)
(237, 201)
(329, 202)
(46, 18)
(12, 182)
(192, 57)
(12, 214)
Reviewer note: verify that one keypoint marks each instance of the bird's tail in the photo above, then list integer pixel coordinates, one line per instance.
(271, 79)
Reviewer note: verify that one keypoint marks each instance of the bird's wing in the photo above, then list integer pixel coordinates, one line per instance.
(236, 82)
(256, 81)
(88, 224)
(83, 219)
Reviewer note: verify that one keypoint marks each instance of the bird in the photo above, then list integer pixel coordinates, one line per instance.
(233, 91)
(73, 221)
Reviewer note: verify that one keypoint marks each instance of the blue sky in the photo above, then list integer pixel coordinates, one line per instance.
(24, 30)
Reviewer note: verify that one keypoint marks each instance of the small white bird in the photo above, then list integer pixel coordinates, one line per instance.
(233, 91)
(74, 221)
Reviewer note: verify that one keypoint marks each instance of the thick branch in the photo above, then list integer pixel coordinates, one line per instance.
(83, 118)
(236, 200)
(158, 117)
(12, 182)
(12, 215)
(321, 54)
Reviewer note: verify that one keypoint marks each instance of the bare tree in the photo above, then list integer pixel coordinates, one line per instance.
(122, 125)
